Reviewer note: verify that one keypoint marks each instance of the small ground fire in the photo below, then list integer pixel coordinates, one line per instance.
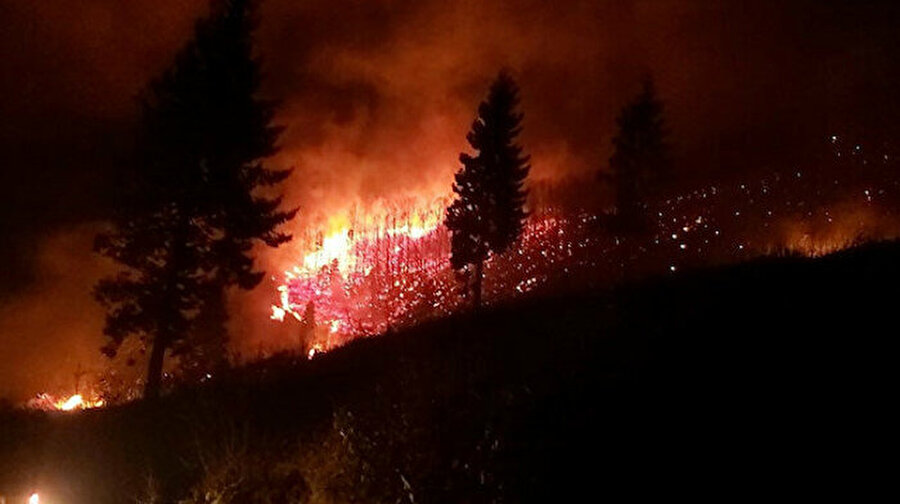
(73, 402)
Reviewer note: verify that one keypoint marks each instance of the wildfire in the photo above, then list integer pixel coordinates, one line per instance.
(365, 275)
(340, 281)
(71, 403)
(74, 402)
(359, 283)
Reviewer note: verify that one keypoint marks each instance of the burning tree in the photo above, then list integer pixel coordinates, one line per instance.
(488, 212)
(189, 215)
(640, 157)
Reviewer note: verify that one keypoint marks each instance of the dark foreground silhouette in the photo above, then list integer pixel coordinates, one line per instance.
(772, 378)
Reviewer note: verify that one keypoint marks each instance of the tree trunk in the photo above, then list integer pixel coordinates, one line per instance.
(164, 333)
(154, 369)
(476, 286)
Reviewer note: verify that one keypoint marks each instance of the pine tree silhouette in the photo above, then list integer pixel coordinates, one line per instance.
(488, 213)
(640, 158)
(189, 216)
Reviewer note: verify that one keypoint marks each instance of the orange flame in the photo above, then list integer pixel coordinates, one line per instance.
(338, 247)
(73, 402)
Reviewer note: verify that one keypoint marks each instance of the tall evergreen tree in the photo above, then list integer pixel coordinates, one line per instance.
(191, 209)
(640, 158)
(488, 212)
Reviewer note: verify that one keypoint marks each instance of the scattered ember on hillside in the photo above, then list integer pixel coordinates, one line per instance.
(361, 280)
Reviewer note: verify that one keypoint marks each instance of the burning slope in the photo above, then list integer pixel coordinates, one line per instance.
(365, 275)
(367, 272)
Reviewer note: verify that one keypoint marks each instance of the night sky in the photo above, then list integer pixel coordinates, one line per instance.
(376, 99)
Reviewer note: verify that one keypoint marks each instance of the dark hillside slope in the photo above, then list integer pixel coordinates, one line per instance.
(771, 376)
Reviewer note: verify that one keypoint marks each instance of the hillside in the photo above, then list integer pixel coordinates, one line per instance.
(770, 376)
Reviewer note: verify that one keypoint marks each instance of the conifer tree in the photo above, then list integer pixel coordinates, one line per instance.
(488, 214)
(191, 209)
(640, 158)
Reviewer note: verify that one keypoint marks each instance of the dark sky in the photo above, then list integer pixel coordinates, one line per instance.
(377, 97)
